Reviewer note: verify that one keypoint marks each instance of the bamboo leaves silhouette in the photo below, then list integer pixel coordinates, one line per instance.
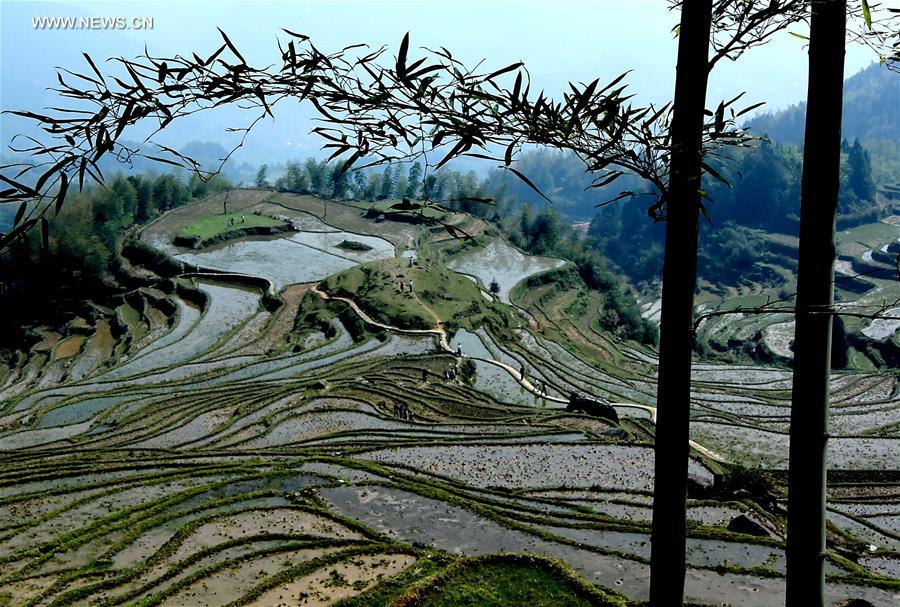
(370, 111)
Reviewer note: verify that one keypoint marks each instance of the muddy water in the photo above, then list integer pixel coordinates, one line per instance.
(412, 518)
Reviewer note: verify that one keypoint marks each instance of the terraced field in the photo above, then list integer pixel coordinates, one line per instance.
(226, 436)
(866, 281)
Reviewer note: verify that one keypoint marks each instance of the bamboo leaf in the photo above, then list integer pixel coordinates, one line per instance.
(715, 173)
(619, 196)
(528, 183)
(21, 187)
(459, 147)
(165, 160)
(457, 233)
(212, 57)
(608, 179)
(401, 57)
(489, 201)
(94, 67)
(20, 213)
(750, 108)
(61, 194)
(232, 47)
(45, 236)
(295, 35)
(504, 70)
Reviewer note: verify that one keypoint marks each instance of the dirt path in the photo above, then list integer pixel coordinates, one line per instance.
(437, 321)
(707, 452)
(438, 330)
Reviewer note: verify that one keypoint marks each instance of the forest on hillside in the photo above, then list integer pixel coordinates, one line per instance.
(871, 100)
(80, 262)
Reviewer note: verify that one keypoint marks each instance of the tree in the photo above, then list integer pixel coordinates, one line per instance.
(543, 232)
(525, 220)
(113, 211)
(373, 187)
(127, 195)
(340, 181)
(429, 187)
(360, 183)
(196, 186)
(414, 181)
(318, 177)
(401, 184)
(387, 184)
(142, 188)
(768, 174)
(859, 168)
(261, 176)
(676, 346)
(494, 287)
(295, 178)
(744, 25)
(815, 296)
(168, 193)
(200, 187)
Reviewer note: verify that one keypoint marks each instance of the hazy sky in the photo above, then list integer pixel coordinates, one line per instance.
(559, 41)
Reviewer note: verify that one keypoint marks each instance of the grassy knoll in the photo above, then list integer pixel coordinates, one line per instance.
(507, 581)
(438, 295)
(859, 361)
(315, 316)
(212, 226)
(561, 294)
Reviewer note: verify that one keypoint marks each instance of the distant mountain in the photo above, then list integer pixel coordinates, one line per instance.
(208, 154)
(871, 112)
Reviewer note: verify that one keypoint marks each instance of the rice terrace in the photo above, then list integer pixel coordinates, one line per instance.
(305, 319)
(233, 438)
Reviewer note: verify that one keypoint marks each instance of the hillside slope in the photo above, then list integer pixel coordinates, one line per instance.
(871, 111)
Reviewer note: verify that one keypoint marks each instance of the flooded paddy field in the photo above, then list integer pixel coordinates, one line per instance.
(242, 452)
(501, 262)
